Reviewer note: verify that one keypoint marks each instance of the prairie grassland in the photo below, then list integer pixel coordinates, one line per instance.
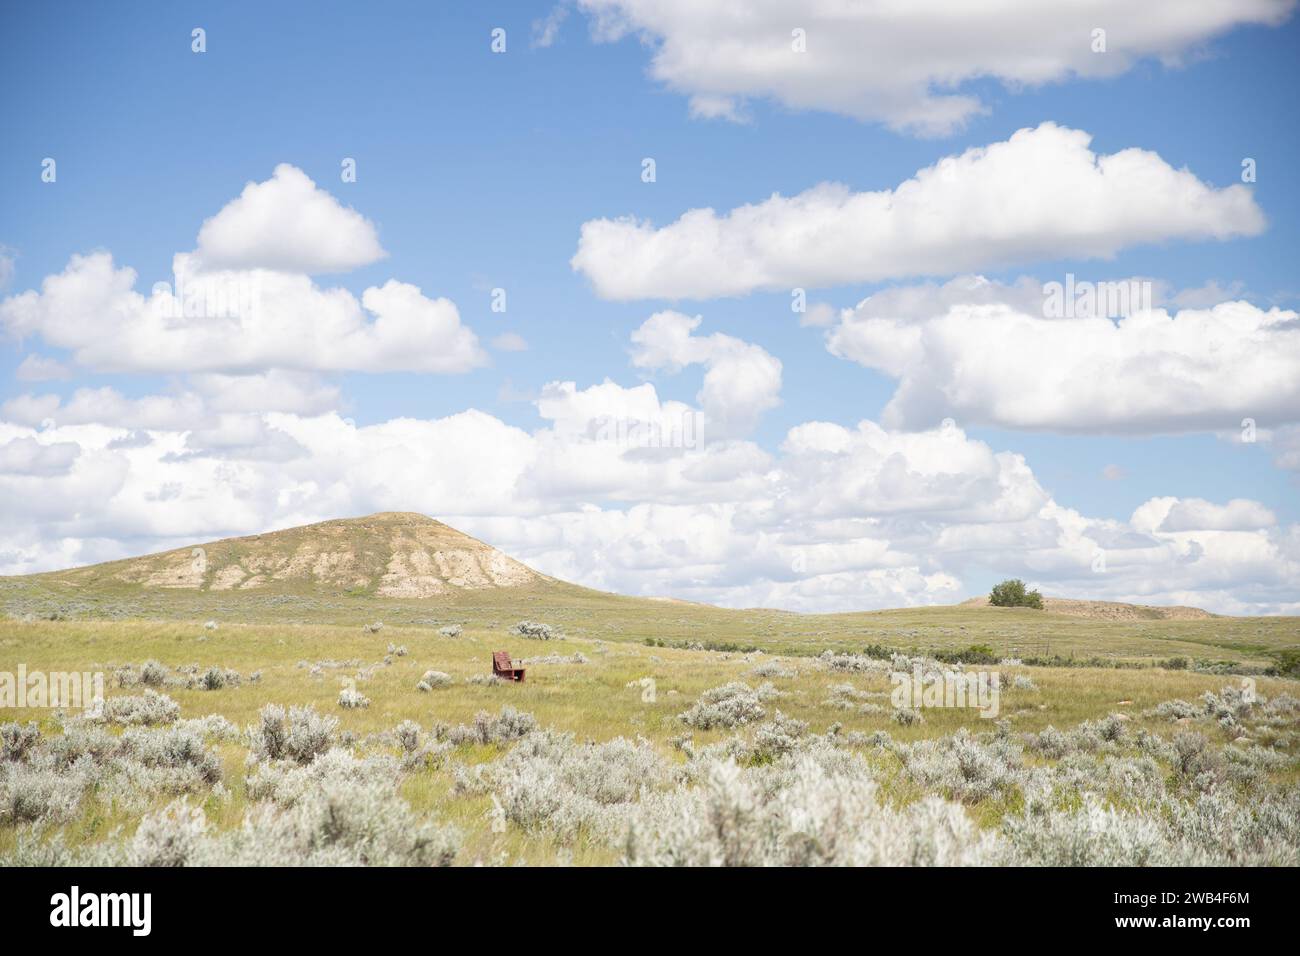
(591, 699)
(580, 612)
(493, 789)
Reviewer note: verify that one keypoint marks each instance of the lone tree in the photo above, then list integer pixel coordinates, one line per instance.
(1012, 593)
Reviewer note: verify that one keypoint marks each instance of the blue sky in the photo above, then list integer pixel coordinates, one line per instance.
(478, 170)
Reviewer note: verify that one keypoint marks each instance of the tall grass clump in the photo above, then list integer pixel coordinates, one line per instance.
(148, 709)
(340, 824)
(802, 815)
(730, 705)
(298, 734)
(510, 724)
(549, 782)
(352, 699)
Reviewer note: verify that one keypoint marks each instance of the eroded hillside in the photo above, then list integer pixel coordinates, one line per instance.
(391, 554)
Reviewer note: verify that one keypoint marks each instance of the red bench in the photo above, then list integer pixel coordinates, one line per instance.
(505, 668)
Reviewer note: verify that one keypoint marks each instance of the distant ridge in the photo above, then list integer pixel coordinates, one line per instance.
(390, 554)
(1110, 610)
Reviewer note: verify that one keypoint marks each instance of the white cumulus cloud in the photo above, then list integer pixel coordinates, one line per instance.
(290, 224)
(29, 457)
(742, 380)
(979, 352)
(41, 368)
(1042, 194)
(905, 64)
(245, 303)
(1174, 515)
(278, 320)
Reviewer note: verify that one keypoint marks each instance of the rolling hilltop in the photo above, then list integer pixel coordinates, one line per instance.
(410, 570)
(391, 554)
(1111, 610)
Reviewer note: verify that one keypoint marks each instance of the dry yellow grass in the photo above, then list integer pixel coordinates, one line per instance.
(592, 700)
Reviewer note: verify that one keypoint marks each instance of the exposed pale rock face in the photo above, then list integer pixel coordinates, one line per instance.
(394, 554)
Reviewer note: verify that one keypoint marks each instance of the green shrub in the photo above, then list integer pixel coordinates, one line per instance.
(1012, 593)
(975, 654)
(1288, 663)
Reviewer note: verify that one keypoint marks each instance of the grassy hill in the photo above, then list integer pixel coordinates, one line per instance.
(1111, 610)
(391, 554)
